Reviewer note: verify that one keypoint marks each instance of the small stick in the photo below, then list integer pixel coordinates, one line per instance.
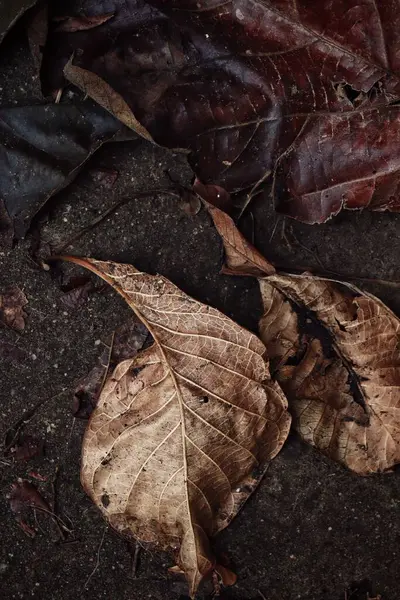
(108, 213)
(97, 559)
(135, 560)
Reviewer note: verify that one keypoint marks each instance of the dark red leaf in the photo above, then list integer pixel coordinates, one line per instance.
(25, 495)
(76, 292)
(298, 93)
(27, 447)
(214, 194)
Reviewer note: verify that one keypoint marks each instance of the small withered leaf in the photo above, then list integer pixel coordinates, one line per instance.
(12, 303)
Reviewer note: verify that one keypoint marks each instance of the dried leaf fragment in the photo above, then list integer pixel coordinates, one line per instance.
(81, 22)
(343, 387)
(241, 258)
(182, 432)
(23, 497)
(336, 353)
(12, 313)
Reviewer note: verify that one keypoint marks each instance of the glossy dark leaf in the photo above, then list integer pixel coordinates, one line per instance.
(42, 149)
(295, 93)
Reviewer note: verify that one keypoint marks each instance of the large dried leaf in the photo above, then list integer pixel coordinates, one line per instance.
(336, 353)
(298, 93)
(42, 149)
(344, 387)
(183, 431)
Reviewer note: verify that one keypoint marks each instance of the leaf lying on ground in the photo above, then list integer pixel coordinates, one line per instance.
(126, 341)
(12, 304)
(336, 353)
(182, 432)
(42, 149)
(241, 258)
(23, 497)
(344, 386)
(256, 90)
(27, 447)
(76, 292)
(10, 12)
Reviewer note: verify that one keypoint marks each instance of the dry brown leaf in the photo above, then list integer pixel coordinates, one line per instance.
(241, 257)
(183, 431)
(104, 95)
(12, 313)
(338, 360)
(344, 388)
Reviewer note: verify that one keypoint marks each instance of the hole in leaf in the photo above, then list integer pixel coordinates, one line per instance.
(105, 500)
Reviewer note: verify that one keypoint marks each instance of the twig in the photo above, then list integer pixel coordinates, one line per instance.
(26, 417)
(277, 219)
(97, 559)
(135, 559)
(107, 213)
(58, 96)
(261, 595)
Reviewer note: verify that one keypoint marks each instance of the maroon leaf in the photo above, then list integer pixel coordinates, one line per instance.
(12, 313)
(213, 194)
(27, 447)
(300, 93)
(76, 292)
(23, 497)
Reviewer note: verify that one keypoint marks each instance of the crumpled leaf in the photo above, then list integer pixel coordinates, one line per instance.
(42, 149)
(183, 431)
(10, 12)
(344, 387)
(258, 91)
(12, 303)
(126, 341)
(336, 354)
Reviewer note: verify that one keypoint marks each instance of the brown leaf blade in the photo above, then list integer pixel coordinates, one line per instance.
(12, 304)
(343, 387)
(241, 257)
(182, 432)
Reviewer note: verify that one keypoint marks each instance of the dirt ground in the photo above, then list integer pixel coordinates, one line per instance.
(312, 531)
